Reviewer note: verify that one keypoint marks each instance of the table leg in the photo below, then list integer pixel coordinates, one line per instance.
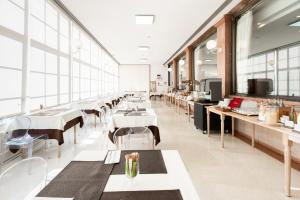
(188, 110)
(253, 136)
(58, 151)
(287, 164)
(208, 122)
(222, 117)
(75, 139)
(232, 126)
(95, 119)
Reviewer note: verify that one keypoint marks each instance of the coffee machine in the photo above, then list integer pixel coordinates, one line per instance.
(211, 88)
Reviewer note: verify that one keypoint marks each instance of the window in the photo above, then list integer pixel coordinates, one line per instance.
(182, 72)
(205, 59)
(11, 56)
(57, 73)
(268, 47)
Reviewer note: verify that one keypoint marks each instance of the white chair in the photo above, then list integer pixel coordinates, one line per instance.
(24, 179)
(133, 138)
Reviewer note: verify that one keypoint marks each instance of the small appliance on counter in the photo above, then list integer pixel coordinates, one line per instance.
(211, 88)
(208, 93)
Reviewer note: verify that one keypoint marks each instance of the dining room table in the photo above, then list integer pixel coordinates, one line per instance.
(135, 118)
(161, 175)
(51, 122)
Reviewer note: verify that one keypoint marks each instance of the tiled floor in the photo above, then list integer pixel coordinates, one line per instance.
(237, 172)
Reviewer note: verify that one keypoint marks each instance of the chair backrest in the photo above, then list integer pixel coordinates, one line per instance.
(121, 132)
(24, 179)
(135, 138)
(17, 127)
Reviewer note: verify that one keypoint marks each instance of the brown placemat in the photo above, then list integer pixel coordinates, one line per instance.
(143, 195)
(151, 162)
(81, 180)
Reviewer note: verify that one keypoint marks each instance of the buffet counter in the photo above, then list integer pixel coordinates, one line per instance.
(288, 137)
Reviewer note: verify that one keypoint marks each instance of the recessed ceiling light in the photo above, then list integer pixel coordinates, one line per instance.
(208, 60)
(298, 16)
(260, 25)
(144, 19)
(143, 48)
(181, 62)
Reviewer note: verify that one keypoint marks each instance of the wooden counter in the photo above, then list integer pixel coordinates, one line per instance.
(288, 137)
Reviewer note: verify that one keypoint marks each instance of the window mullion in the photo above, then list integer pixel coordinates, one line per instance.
(26, 58)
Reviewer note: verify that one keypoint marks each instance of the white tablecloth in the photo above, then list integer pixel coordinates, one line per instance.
(176, 178)
(139, 104)
(120, 120)
(57, 121)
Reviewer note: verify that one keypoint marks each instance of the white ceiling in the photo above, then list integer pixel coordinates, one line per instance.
(112, 22)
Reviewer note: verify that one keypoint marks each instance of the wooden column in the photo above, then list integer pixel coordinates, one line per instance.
(224, 54)
(175, 73)
(189, 57)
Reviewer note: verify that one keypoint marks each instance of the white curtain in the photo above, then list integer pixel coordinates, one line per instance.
(243, 43)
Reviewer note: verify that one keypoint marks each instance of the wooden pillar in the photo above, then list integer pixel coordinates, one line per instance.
(175, 73)
(224, 53)
(189, 57)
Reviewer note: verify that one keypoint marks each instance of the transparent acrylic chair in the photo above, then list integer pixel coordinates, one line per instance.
(17, 137)
(121, 138)
(86, 120)
(24, 179)
(105, 115)
(134, 138)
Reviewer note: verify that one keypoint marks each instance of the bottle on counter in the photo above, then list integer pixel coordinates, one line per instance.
(292, 114)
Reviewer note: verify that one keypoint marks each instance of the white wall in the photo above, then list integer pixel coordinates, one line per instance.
(134, 78)
(162, 86)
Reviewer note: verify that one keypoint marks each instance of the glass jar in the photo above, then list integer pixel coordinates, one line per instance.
(132, 165)
(271, 115)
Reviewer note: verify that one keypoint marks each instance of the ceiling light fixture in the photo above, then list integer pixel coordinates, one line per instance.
(298, 16)
(208, 60)
(181, 62)
(144, 19)
(143, 48)
(211, 44)
(260, 25)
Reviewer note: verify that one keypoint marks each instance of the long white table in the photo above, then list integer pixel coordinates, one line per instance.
(176, 178)
(119, 120)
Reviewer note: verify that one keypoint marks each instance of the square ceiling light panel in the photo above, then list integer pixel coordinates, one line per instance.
(143, 48)
(144, 19)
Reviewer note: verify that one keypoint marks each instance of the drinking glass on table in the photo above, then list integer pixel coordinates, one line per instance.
(132, 165)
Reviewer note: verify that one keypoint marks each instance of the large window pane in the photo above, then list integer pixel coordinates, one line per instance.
(37, 30)
(51, 16)
(51, 63)
(11, 16)
(10, 83)
(268, 47)
(38, 9)
(10, 107)
(37, 84)
(37, 60)
(10, 53)
(51, 84)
